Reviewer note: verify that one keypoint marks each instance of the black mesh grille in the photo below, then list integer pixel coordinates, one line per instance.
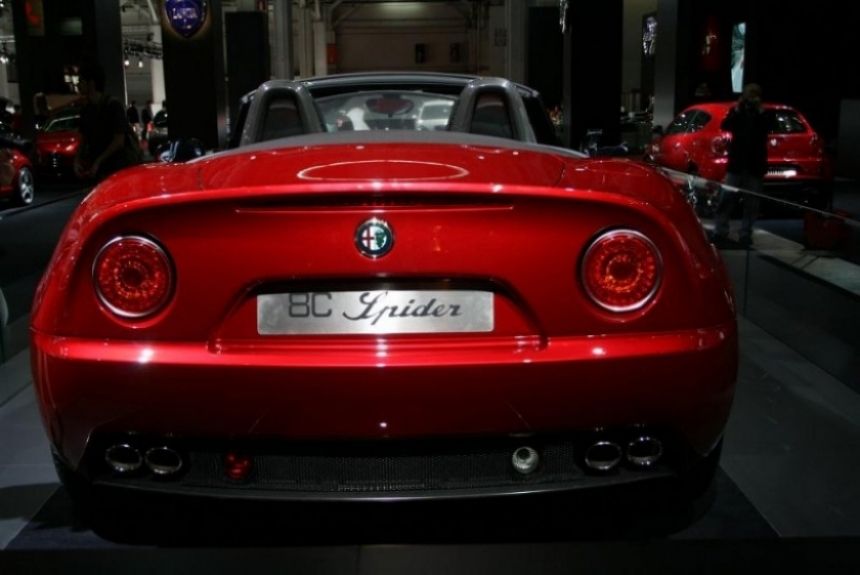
(355, 471)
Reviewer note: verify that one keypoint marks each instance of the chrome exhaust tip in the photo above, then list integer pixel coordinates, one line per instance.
(525, 459)
(644, 451)
(122, 458)
(603, 456)
(163, 461)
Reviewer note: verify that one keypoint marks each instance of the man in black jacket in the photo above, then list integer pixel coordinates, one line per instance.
(747, 163)
(107, 141)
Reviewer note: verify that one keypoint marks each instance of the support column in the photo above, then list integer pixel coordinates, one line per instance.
(157, 70)
(194, 79)
(515, 54)
(306, 43)
(320, 48)
(499, 38)
(101, 25)
(666, 84)
(247, 35)
(592, 70)
(282, 46)
(23, 60)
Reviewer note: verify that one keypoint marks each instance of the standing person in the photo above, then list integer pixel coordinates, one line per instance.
(132, 114)
(107, 142)
(146, 118)
(133, 117)
(747, 162)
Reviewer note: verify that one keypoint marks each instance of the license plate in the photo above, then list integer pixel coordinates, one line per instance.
(375, 312)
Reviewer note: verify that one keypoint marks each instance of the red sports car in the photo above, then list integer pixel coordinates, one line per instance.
(797, 161)
(57, 145)
(16, 177)
(365, 310)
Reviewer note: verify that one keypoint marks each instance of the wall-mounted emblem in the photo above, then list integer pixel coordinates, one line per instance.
(374, 238)
(186, 17)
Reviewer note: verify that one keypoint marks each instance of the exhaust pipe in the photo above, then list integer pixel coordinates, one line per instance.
(123, 459)
(525, 459)
(644, 451)
(603, 456)
(163, 461)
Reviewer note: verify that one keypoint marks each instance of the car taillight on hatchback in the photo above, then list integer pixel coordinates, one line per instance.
(621, 270)
(720, 146)
(133, 276)
(817, 145)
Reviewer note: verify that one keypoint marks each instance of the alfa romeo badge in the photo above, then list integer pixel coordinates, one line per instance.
(374, 238)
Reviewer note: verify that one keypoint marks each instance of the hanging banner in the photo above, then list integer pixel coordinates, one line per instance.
(711, 45)
(35, 14)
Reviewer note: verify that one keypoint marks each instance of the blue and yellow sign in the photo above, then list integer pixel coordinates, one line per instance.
(186, 17)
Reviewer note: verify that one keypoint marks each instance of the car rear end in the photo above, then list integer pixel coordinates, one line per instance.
(693, 142)
(531, 327)
(798, 166)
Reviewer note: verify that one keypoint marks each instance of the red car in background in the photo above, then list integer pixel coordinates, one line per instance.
(57, 145)
(16, 177)
(797, 162)
(380, 312)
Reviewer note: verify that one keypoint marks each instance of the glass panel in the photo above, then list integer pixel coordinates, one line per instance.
(63, 124)
(386, 110)
(679, 124)
(785, 122)
(698, 121)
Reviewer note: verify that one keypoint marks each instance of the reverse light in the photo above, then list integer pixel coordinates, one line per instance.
(133, 276)
(621, 270)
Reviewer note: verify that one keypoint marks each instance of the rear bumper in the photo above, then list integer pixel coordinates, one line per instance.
(447, 469)
(681, 381)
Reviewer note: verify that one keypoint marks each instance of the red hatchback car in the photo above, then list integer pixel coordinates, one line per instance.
(797, 161)
(57, 144)
(374, 311)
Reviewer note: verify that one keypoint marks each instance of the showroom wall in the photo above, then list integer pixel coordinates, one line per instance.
(407, 36)
(802, 55)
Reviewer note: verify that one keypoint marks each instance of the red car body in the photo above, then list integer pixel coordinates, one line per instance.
(57, 145)
(695, 143)
(315, 415)
(16, 177)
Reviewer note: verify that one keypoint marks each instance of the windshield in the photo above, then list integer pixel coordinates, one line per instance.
(63, 124)
(784, 122)
(384, 110)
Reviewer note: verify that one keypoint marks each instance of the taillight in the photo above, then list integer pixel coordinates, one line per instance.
(817, 145)
(720, 146)
(621, 270)
(133, 276)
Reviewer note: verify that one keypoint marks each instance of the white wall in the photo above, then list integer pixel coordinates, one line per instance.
(383, 37)
(138, 82)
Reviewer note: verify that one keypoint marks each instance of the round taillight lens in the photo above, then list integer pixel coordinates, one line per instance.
(621, 270)
(133, 276)
(720, 146)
